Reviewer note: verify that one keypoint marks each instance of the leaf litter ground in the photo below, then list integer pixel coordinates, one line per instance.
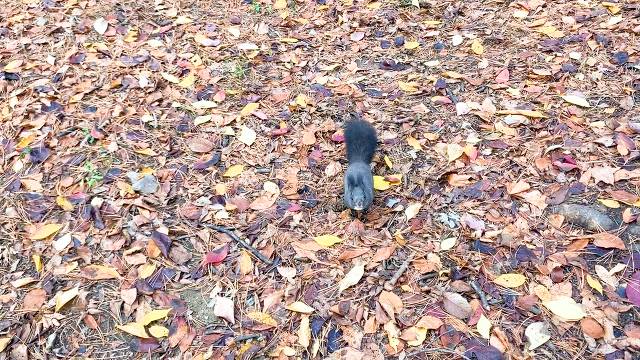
(171, 180)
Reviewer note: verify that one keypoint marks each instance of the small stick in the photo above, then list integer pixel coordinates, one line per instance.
(481, 294)
(241, 242)
(394, 279)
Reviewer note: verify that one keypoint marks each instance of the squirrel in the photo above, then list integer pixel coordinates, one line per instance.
(361, 141)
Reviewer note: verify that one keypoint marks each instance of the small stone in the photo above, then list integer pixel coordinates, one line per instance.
(620, 58)
(398, 41)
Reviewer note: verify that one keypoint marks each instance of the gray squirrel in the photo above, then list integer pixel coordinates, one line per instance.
(361, 141)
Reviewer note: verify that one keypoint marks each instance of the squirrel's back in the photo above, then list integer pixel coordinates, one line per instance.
(361, 141)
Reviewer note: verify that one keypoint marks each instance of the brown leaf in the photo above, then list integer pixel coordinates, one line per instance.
(200, 145)
(99, 272)
(456, 305)
(383, 253)
(352, 253)
(592, 328)
(604, 174)
(34, 300)
(608, 241)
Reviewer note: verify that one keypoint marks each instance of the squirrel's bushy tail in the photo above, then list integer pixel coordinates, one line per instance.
(361, 141)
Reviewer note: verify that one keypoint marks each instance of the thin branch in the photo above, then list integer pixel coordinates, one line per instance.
(394, 279)
(481, 294)
(241, 242)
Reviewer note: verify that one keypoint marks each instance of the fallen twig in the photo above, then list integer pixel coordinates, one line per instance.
(241, 242)
(481, 294)
(394, 279)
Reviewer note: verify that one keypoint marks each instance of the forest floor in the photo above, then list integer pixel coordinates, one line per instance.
(172, 179)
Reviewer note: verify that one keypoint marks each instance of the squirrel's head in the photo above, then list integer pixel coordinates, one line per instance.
(358, 187)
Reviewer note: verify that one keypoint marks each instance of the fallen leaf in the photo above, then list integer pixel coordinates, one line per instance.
(262, 318)
(454, 151)
(484, 327)
(379, 183)
(448, 243)
(100, 25)
(456, 305)
(158, 331)
(234, 171)
(592, 328)
(510, 280)
(537, 334)
(99, 272)
(224, 308)
(477, 47)
(63, 297)
(45, 231)
(304, 332)
(134, 328)
(300, 307)
(410, 45)
(608, 241)
(249, 108)
(247, 136)
(576, 100)
(154, 315)
(412, 210)
(566, 308)
(327, 240)
(351, 278)
(595, 284)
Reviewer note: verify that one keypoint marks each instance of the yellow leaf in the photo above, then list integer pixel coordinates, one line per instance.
(300, 307)
(566, 308)
(414, 143)
(301, 100)
(594, 283)
(454, 151)
(379, 183)
(37, 261)
(147, 151)
(154, 315)
(411, 45)
(388, 162)
(64, 204)
(12, 65)
(158, 331)
(262, 318)
(248, 109)
(351, 278)
(408, 87)
(484, 327)
(5, 341)
(327, 240)
(146, 270)
(132, 35)
(576, 100)
(280, 4)
(135, 329)
(234, 171)
(289, 40)
(304, 332)
(245, 263)
(170, 78)
(477, 47)
(510, 280)
(420, 336)
(182, 20)
(46, 231)
(610, 203)
(63, 297)
(374, 5)
(188, 81)
(99, 272)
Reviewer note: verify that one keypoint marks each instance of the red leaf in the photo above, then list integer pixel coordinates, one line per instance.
(216, 256)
